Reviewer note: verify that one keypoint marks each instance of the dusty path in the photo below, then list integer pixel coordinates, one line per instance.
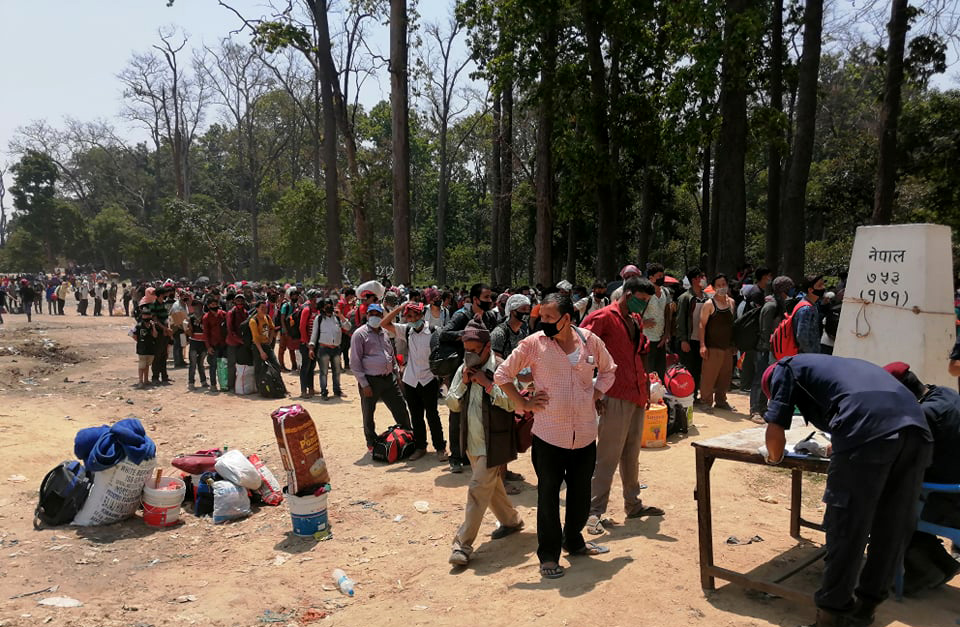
(130, 575)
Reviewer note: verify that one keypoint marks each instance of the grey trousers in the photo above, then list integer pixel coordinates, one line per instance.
(618, 446)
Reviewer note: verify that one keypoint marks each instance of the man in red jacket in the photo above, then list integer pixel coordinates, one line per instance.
(620, 326)
(213, 322)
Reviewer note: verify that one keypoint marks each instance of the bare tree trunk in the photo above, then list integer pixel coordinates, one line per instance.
(331, 182)
(506, 185)
(495, 197)
(571, 264)
(647, 208)
(705, 239)
(714, 217)
(3, 209)
(401, 141)
(543, 241)
(792, 217)
(774, 158)
(890, 114)
(729, 192)
(592, 13)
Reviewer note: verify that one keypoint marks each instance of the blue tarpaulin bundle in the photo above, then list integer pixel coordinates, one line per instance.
(103, 447)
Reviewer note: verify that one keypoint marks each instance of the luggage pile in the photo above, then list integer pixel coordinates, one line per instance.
(680, 387)
(308, 481)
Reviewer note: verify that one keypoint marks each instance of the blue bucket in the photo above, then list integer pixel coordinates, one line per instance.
(309, 513)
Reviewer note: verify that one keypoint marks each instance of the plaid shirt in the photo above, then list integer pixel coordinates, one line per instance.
(569, 420)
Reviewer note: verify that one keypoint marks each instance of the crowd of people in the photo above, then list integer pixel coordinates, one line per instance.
(578, 362)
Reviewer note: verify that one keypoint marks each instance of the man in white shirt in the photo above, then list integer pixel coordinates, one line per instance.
(596, 300)
(657, 320)
(325, 345)
(420, 387)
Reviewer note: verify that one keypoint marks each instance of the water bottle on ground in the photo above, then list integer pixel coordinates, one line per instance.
(343, 582)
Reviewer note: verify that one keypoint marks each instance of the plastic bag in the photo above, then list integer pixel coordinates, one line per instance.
(236, 468)
(657, 389)
(270, 491)
(230, 502)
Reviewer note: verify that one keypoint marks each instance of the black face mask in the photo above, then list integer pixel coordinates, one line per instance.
(819, 293)
(328, 311)
(550, 328)
(598, 295)
(485, 305)
(659, 281)
(522, 317)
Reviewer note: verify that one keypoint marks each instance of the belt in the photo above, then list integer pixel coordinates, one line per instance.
(329, 345)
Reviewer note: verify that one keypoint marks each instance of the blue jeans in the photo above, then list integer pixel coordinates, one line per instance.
(758, 400)
(325, 358)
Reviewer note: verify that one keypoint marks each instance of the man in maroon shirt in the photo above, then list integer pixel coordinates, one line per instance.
(214, 321)
(620, 326)
(235, 317)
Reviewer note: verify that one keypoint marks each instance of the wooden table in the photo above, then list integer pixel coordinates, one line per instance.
(742, 447)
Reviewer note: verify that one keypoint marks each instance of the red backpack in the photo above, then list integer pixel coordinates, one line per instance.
(394, 444)
(679, 382)
(783, 342)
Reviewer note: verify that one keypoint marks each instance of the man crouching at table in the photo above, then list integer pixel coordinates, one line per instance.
(486, 432)
(881, 447)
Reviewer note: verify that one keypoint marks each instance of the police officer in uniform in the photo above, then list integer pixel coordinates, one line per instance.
(881, 447)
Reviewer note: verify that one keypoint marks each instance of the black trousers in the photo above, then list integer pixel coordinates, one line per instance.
(385, 387)
(218, 352)
(308, 368)
(694, 363)
(160, 358)
(60, 305)
(456, 451)
(423, 400)
(553, 466)
(872, 492)
(656, 359)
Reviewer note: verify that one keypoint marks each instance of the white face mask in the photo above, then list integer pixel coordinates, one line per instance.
(723, 291)
(374, 321)
(703, 283)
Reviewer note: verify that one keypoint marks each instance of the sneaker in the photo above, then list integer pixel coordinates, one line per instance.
(417, 454)
(456, 467)
(459, 558)
(724, 405)
(191, 387)
(594, 526)
(204, 384)
(324, 396)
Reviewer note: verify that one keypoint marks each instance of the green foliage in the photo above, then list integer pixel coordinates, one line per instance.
(300, 242)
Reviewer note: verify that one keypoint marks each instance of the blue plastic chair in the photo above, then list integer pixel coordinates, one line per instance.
(950, 533)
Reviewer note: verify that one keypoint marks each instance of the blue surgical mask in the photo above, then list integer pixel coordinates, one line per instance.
(416, 326)
(374, 321)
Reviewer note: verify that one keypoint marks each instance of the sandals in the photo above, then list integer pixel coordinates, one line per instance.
(594, 526)
(649, 510)
(442, 456)
(551, 572)
(512, 489)
(590, 548)
(459, 557)
(504, 530)
(512, 476)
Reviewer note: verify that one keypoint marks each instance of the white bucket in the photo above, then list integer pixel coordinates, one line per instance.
(161, 506)
(309, 513)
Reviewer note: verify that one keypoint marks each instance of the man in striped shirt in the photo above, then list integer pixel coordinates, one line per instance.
(562, 360)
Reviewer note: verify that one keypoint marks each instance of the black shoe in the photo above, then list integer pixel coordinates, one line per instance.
(456, 466)
(324, 396)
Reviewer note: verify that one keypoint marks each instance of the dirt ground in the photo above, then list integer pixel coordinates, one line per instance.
(58, 375)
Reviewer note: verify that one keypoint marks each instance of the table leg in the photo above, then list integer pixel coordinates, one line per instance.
(705, 518)
(796, 494)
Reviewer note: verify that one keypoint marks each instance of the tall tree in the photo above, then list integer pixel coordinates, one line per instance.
(774, 143)
(729, 190)
(505, 224)
(495, 184)
(890, 113)
(3, 207)
(401, 140)
(543, 241)
(792, 216)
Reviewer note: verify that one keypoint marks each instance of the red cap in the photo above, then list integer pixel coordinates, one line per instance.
(898, 369)
(765, 380)
(417, 307)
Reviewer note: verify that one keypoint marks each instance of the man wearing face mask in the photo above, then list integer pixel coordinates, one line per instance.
(620, 326)
(562, 360)
(716, 346)
(325, 345)
(487, 431)
(374, 366)
(507, 335)
(420, 387)
(657, 322)
(807, 319)
(596, 300)
(477, 306)
(688, 324)
(770, 316)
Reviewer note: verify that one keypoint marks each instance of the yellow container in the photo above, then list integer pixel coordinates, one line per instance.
(654, 433)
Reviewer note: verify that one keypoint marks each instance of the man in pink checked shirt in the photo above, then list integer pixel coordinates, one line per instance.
(562, 360)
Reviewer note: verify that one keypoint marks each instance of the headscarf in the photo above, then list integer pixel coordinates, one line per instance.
(516, 302)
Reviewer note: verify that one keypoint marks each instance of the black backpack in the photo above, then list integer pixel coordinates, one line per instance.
(269, 382)
(746, 330)
(62, 494)
(832, 320)
(445, 357)
(293, 323)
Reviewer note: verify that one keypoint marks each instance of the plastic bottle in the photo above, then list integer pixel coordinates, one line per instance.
(343, 582)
